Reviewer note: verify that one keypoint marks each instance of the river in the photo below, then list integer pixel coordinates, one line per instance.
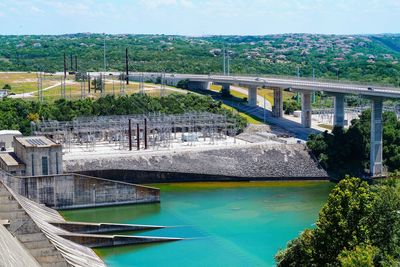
(227, 224)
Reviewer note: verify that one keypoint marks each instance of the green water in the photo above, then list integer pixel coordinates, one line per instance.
(229, 224)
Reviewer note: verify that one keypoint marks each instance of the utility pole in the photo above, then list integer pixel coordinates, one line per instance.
(228, 59)
(72, 62)
(224, 58)
(104, 53)
(76, 63)
(265, 111)
(127, 65)
(65, 66)
(313, 78)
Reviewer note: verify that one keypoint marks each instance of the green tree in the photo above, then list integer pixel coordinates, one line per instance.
(342, 224)
(360, 256)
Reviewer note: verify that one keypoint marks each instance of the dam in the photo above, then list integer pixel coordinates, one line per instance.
(102, 164)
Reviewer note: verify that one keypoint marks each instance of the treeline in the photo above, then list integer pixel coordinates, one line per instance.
(18, 114)
(359, 58)
(358, 226)
(346, 151)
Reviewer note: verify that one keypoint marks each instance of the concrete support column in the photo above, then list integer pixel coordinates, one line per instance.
(252, 96)
(376, 137)
(226, 89)
(306, 109)
(195, 85)
(339, 110)
(277, 108)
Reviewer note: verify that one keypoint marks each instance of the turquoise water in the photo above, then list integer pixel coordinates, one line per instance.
(228, 224)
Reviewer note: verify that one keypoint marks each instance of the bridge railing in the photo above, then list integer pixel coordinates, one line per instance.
(310, 79)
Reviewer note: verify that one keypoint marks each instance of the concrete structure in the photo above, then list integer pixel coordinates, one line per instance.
(376, 137)
(277, 108)
(226, 88)
(198, 85)
(306, 111)
(306, 86)
(32, 234)
(339, 110)
(12, 164)
(71, 191)
(252, 98)
(7, 139)
(247, 162)
(3, 93)
(40, 155)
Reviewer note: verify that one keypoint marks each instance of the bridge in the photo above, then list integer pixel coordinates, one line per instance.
(376, 94)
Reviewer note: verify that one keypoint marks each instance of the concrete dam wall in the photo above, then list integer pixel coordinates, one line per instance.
(71, 191)
(240, 163)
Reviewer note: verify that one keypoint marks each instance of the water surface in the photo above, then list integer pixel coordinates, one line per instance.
(228, 224)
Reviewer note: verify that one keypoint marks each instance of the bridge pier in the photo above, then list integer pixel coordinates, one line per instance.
(226, 89)
(376, 137)
(339, 110)
(306, 109)
(196, 85)
(277, 108)
(252, 96)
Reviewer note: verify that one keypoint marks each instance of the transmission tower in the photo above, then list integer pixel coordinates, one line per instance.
(141, 83)
(63, 87)
(162, 87)
(122, 84)
(39, 76)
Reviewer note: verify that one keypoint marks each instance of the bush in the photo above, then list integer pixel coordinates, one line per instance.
(358, 226)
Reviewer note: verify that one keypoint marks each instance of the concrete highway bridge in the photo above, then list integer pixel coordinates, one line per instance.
(376, 94)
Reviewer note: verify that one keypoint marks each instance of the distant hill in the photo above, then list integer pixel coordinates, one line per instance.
(358, 57)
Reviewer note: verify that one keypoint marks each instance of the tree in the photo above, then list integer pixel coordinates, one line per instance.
(360, 256)
(342, 224)
(7, 87)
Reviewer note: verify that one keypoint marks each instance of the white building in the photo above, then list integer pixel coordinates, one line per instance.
(41, 155)
(7, 139)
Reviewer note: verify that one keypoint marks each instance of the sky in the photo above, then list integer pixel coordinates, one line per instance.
(200, 17)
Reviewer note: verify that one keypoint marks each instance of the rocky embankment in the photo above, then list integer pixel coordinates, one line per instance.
(258, 161)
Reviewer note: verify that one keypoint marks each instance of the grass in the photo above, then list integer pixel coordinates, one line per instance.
(250, 119)
(269, 95)
(23, 82)
(326, 126)
(27, 83)
(216, 88)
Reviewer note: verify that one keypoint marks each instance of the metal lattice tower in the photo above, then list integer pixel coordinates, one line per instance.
(163, 84)
(122, 84)
(141, 83)
(161, 130)
(39, 76)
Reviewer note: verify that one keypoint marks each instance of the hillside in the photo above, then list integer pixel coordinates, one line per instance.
(358, 57)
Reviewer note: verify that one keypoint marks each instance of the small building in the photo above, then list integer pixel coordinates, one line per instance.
(12, 164)
(40, 155)
(3, 93)
(7, 139)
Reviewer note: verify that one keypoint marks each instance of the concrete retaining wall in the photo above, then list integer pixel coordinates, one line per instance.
(242, 163)
(72, 191)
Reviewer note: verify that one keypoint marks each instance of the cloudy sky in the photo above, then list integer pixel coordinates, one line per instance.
(199, 17)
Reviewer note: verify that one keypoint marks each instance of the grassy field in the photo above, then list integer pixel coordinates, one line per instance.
(23, 82)
(27, 83)
(250, 119)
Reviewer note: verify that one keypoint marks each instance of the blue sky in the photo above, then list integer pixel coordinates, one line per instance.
(200, 17)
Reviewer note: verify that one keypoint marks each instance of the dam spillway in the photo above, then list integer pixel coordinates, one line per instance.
(41, 235)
